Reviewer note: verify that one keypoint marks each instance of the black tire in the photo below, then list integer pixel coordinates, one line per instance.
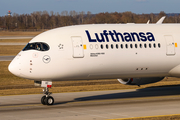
(49, 100)
(43, 100)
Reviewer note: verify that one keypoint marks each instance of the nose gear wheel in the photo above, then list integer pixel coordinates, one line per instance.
(47, 99)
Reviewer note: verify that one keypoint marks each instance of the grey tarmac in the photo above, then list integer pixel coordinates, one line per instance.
(16, 37)
(6, 58)
(15, 43)
(93, 105)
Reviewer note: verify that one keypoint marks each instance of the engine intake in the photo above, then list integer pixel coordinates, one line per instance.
(140, 81)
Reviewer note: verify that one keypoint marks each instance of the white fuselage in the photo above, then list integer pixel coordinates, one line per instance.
(97, 52)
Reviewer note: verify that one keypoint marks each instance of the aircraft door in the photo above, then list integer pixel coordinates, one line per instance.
(77, 45)
(170, 47)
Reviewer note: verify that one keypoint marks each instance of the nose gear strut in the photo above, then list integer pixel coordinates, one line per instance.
(46, 99)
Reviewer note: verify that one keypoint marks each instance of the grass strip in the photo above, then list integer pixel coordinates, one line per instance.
(6, 78)
(14, 40)
(8, 50)
(160, 117)
(20, 33)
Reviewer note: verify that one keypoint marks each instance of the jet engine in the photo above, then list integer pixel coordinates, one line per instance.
(140, 81)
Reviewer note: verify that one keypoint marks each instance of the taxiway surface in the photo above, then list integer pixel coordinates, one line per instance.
(16, 37)
(6, 58)
(96, 105)
(5, 43)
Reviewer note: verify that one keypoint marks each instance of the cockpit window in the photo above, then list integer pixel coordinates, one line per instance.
(37, 46)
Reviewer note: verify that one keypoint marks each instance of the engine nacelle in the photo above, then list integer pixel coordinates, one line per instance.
(140, 81)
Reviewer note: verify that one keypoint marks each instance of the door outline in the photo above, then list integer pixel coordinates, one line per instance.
(77, 46)
(170, 47)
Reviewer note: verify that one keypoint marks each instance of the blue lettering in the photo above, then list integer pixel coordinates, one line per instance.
(143, 37)
(116, 34)
(133, 36)
(112, 36)
(127, 37)
(150, 36)
(102, 38)
(106, 36)
(89, 37)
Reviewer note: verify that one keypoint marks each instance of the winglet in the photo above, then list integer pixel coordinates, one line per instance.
(148, 21)
(161, 20)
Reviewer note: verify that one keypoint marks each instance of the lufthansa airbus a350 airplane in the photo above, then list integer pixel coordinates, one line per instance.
(134, 54)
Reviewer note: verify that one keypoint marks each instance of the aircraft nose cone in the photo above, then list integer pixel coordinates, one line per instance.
(14, 68)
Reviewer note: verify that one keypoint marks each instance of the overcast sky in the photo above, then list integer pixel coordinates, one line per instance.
(94, 6)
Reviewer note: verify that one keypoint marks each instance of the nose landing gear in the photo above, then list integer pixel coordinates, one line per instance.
(47, 99)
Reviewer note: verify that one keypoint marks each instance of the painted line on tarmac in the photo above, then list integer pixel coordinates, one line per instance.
(144, 117)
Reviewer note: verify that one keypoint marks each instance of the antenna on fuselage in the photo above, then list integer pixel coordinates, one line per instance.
(161, 20)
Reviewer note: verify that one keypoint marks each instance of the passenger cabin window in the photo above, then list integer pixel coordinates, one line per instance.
(45, 47)
(159, 45)
(126, 45)
(106, 46)
(140, 45)
(116, 46)
(40, 46)
(122, 46)
(145, 45)
(154, 45)
(101, 46)
(149, 45)
(111, 46)
(131, 45)
(135, 45)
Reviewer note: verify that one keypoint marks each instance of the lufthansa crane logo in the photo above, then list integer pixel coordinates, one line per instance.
(46, 59)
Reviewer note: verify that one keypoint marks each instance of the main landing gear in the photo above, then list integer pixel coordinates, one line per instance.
(46, 99)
